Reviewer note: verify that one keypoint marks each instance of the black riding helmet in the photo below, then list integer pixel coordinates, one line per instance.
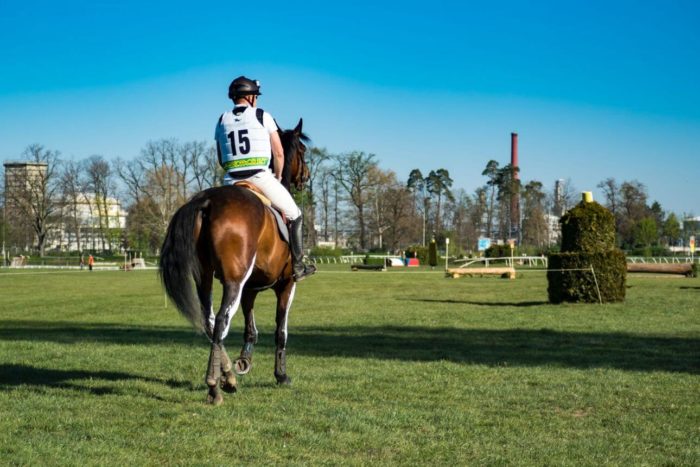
(243, 86)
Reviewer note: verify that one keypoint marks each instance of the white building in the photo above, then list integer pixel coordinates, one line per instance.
(89, 224)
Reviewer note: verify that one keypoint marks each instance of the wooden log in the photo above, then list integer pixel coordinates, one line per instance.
(506, 273)
(367, 267)
(661, 268)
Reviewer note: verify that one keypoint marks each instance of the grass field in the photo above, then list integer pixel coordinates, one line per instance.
(387, 368)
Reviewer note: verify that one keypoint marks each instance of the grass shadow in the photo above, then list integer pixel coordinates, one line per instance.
(72, 332)
(508, 347)
(480, 303)
(15, 375)
(497, 347)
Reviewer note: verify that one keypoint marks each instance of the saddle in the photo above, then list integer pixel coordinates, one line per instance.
(281, 223)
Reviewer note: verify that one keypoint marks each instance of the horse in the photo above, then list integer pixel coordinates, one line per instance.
(228, 233)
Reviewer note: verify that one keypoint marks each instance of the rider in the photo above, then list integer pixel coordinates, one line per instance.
(245, 138)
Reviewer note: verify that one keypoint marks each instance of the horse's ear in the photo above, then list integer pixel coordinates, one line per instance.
(297, 130)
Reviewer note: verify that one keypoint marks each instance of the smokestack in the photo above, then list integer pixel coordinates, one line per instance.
(515, 196)
(514, 153)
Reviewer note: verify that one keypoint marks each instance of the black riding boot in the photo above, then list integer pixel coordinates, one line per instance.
(301, 271)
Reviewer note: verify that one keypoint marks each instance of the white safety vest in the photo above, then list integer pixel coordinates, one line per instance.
(243, 137)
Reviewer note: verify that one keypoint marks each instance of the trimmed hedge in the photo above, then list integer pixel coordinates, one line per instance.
(588, 240)
(587, 227)
(580, 286)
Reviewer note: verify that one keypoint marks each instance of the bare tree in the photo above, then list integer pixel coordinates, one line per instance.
(101, 184)
(352, 171)
(380, 182)
(164, 182)
(198, 166)
(73, 194)
(32, 191)
(315, 159)
(611, 192)
(325, 182)
(396, 214)
(133, 177)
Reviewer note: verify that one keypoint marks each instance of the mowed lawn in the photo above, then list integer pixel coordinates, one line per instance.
(388, 368)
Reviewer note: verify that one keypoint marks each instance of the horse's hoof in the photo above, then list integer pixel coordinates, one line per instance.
(216, 400)
(283, 380)
(229, 383)
(242, 366)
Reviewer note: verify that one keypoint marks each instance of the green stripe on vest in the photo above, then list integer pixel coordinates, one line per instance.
(246, 163)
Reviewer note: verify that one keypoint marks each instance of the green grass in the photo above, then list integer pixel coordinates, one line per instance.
(388, 367)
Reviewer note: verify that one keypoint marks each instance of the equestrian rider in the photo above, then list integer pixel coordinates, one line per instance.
(245, 138)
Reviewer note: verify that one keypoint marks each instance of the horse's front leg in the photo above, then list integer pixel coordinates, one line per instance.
(285, 296)
(244, 363)
(218, 357)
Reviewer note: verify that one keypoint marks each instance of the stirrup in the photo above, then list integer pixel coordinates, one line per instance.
(305, 272)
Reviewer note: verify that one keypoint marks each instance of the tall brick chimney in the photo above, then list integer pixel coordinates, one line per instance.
(515, 197)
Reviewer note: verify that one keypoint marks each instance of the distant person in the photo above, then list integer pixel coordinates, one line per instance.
(246, 136)
(82, 262)
(91, 262)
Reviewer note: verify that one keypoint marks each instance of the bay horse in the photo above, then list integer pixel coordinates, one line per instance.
(228, 233)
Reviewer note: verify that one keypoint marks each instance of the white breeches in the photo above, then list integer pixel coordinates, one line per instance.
(273, 190)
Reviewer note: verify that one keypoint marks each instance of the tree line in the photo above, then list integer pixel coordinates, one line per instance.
(350, 200)
(51, 199)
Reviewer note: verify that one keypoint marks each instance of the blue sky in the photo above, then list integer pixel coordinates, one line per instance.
(594, 89)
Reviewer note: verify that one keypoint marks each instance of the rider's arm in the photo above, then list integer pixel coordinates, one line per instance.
(218, 154)
(277, 153)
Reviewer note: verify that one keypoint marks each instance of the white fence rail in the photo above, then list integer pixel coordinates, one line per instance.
(346, 259)
(518, 260)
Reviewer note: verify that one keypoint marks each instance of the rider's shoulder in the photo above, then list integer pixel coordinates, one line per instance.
(223, 116)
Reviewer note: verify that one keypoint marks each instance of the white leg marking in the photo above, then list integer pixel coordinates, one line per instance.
(212, 318)
(233, 308)
(286, 312)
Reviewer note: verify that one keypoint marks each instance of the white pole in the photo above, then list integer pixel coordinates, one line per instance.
(447, 251)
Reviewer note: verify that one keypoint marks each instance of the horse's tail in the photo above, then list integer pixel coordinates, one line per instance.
(179, 264)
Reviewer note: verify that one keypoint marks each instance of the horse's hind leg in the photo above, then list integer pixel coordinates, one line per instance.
(228, 378)
(204, 292)
(217, 357)
(285, 296)
(244, 363)
(204, 289)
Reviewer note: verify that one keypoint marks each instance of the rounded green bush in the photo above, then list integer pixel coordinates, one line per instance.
(587, 227)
